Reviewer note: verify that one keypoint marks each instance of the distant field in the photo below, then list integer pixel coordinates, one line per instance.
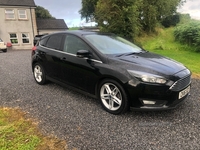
(74, 28)
(163, 43)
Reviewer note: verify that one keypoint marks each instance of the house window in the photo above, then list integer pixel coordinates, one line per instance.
(13, 38)
(25, 38)
(10, 14)
(22, 14)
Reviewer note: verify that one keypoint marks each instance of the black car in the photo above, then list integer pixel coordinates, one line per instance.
(37, 38)
(119, 73)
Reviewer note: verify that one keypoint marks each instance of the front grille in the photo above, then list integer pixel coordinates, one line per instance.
(181, 84)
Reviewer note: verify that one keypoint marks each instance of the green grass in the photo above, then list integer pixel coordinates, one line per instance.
(164, 43)
(19, 133)
(74, 28)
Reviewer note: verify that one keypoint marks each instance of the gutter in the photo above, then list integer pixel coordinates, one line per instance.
(32, 22)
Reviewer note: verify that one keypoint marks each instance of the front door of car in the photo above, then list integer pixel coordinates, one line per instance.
(78, 72)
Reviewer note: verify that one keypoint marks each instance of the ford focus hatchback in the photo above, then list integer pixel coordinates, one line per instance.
(117, 72)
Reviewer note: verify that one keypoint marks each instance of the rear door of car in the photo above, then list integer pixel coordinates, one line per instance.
(50, 52)
(78, 72)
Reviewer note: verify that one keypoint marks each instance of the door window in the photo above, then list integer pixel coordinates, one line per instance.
(72, 44)
(54, 41)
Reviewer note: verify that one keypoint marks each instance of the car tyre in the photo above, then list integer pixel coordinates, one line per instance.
(39, 74)
(113, 97)
(5, 50)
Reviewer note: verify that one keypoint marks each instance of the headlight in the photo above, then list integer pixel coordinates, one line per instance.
(147, 77)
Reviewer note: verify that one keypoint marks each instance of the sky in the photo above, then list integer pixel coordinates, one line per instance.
(68, 10)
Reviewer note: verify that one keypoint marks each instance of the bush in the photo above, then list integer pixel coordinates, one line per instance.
(189, 34)
(171, 21)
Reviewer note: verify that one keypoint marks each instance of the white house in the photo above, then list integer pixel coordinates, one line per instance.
(18, 23)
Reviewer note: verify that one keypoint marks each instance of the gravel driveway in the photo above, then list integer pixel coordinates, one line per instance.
(85, 125)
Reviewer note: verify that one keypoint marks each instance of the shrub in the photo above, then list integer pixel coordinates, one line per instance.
(171, 21)
(189, 34)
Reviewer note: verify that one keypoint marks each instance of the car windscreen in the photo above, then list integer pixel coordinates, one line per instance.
(111, 44)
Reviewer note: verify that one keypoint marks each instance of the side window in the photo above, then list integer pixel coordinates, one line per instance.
(25, 38)
(10, 14)
(44, 41)
(54, 41)
(22, 14)
(72, 44)
(13, 38)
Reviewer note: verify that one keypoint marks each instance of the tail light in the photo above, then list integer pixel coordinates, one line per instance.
(9, 44)
(34, 48)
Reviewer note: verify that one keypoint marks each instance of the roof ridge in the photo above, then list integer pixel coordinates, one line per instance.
(29, 3)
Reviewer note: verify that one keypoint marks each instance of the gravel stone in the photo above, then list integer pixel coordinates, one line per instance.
(82, 122)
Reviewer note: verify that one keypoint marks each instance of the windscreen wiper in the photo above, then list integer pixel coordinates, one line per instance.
(127, 54)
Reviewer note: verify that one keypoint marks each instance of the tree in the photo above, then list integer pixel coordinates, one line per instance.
(128, 17)
(42, 13)
(88, 9)
(118, 16)
(172, 20)
(154, 11)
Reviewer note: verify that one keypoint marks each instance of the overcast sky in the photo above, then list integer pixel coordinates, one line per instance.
(68, 10)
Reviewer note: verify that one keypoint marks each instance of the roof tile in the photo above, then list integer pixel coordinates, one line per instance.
(51, 24)
(29, 3)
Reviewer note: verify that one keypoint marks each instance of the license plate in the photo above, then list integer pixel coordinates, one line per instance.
(184, 92)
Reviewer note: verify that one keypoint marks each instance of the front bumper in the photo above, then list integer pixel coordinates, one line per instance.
(150, 97)
(161, 106)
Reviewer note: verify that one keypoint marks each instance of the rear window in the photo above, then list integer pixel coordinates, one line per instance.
(44, 41)
(54, 41)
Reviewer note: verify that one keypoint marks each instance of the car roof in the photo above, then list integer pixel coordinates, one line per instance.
(82, 32)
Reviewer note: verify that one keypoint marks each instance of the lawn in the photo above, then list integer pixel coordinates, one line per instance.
(164, 43)
(20, 133)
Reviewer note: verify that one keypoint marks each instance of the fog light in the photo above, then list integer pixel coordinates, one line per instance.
(146, 102)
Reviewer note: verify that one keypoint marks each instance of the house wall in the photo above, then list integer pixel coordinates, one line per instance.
(18, 26)
(34, 22)
(50, 31)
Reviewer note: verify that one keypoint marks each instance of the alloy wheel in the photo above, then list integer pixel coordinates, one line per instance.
(111, 96)
(38, 73)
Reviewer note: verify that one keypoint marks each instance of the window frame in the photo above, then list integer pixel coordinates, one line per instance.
(25, 14)
(7, 14)
(54, 47)
(14, 38)
(78, 39)
(28, 37)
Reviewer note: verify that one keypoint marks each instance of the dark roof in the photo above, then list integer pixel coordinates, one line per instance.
(83, 32)
(29, 3)
(51, 24)
(90, 28)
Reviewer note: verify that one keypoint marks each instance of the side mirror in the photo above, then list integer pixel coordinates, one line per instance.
(83, 53)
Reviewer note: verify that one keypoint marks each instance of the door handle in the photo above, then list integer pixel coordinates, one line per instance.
(63, 59)
(42, 53)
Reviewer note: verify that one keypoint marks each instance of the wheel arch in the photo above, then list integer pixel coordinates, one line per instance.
(109, 78)
(125, 106)
(35, 60)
